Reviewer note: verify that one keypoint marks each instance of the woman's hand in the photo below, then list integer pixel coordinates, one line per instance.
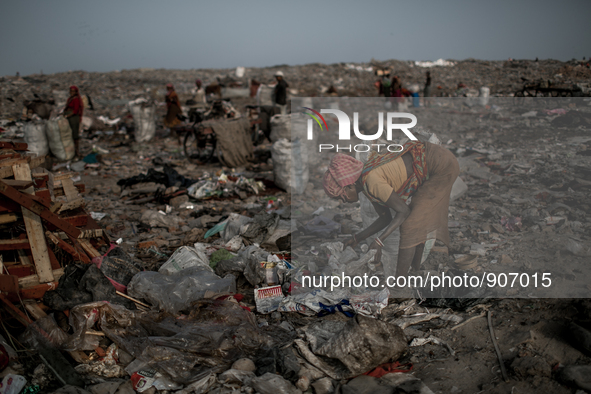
(378, 257)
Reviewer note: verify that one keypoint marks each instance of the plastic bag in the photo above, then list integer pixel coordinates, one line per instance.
(83, 318)
(202, 189)
(175, 292)
(118, 267)
(183, 258)
(44, 332)
(12, 384)
(263, 225)
(157, 219)
(270, 383)
(254, 272)
(234, 266)
(346, 349)
(214, 333)
(234, 226)
(59, 137)
(36, 138)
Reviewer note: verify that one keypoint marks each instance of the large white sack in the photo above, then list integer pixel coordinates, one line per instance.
(280, 128)
(290, 172)
(59, 136)
(295, 126)
(36, 139)
(143, 119)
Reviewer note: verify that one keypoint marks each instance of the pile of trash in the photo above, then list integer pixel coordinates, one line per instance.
(191, 325)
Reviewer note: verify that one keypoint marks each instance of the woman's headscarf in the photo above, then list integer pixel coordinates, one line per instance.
(343, 171)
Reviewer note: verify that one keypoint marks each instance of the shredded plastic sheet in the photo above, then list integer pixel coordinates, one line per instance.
(176, 292)
(183, 258)
(346, 349)
(209, 339)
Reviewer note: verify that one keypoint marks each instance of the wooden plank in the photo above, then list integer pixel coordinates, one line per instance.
(14, 244)
(35, 162)
(37, 291)
(18, 185)
(20, 270)
(71, 204)
(8, 218)
(13, 145)
(69, 190)
(35, 231)
(8, 283)
(40, 179)
(22, 256)
(54, 263)
(77, 221)
(88, 248)
(15, 161)
(67, 247)
(59, 191)
(14, 311)
(26, 201)
(34, 309)
(33, 280)
(4, 156)
(92, 233)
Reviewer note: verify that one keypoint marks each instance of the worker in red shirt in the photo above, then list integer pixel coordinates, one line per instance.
(73, 112)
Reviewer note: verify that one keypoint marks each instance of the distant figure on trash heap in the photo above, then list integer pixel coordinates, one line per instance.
(280, 93)
(173, 106)
(427, 90)
(73, 112)
(386, 85)
(199, 94)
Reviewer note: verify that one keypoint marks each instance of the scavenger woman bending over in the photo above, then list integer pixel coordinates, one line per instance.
(423, 171)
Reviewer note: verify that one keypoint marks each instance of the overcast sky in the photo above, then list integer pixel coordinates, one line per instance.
(105, 35)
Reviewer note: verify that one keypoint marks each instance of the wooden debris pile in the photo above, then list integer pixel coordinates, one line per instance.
(43, 225)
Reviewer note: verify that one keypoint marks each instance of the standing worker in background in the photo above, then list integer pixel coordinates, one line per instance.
(199, 93)
(280, 93)
(173, 106)
(73, 112)
(427, 90)
(386, 85)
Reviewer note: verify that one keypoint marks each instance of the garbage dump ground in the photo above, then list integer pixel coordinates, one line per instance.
(136, 268)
